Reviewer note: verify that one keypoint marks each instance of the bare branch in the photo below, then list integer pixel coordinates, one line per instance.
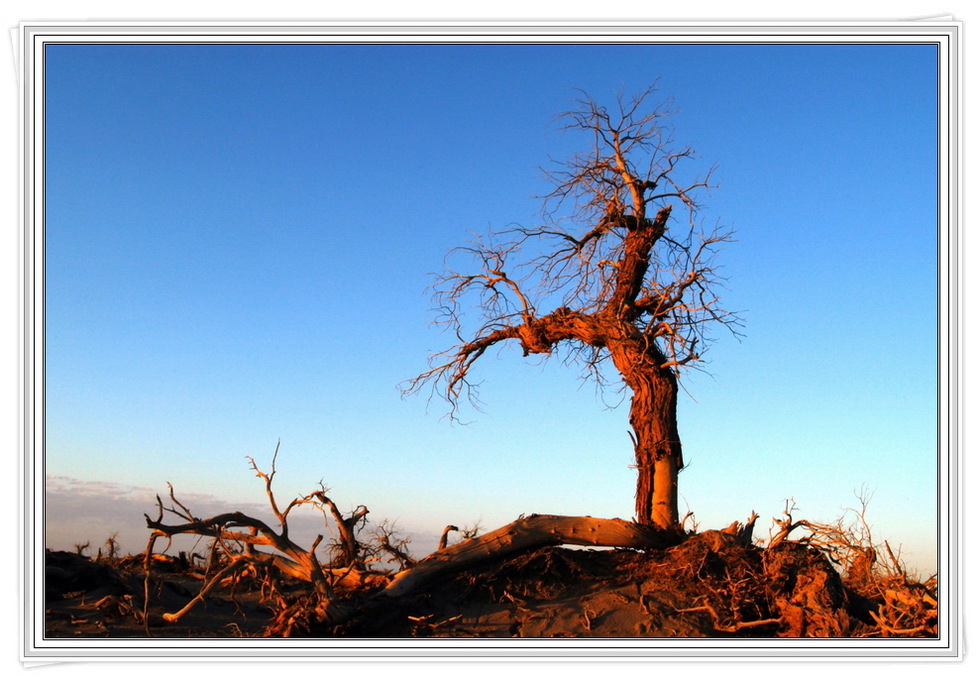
(444, 539)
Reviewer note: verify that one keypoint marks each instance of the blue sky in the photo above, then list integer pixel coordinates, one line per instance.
(238, 241)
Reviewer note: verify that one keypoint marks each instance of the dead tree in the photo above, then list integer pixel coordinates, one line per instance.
(389, 544)
(347, 548)
(247, 541)
(631, 292)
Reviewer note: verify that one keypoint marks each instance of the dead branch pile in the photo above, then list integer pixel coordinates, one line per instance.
(242, 545)
(898, 603)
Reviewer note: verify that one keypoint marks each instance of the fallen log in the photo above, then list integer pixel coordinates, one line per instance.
(525, 534)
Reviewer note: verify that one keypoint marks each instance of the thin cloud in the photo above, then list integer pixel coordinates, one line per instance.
(77, 511)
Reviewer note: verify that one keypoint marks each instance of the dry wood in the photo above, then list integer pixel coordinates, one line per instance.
(732, 628)
(444, 539)
(387, 542)
(528, 533)
(227, 571)
(524, 534)
(348, 553)
(236, 528)
(743, 533)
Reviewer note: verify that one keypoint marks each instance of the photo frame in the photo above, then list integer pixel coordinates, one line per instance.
(37, 38)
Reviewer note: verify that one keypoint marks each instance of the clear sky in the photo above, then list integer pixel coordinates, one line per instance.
(238, 241)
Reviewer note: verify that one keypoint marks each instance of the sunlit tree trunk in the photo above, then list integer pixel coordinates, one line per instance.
(656, 442)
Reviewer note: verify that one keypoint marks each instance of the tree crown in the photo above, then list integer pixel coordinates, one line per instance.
(608, 259)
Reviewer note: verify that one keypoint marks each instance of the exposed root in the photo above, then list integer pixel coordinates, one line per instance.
(732, 628)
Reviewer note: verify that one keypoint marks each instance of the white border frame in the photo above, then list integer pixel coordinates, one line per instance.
(944, 34)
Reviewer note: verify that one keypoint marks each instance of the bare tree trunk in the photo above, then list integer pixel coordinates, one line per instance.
(663, 500)
(656, 442)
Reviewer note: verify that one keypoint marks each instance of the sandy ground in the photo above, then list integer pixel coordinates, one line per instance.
(90, 600)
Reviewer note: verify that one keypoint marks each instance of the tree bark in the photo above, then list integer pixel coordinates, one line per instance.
(656, 442)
